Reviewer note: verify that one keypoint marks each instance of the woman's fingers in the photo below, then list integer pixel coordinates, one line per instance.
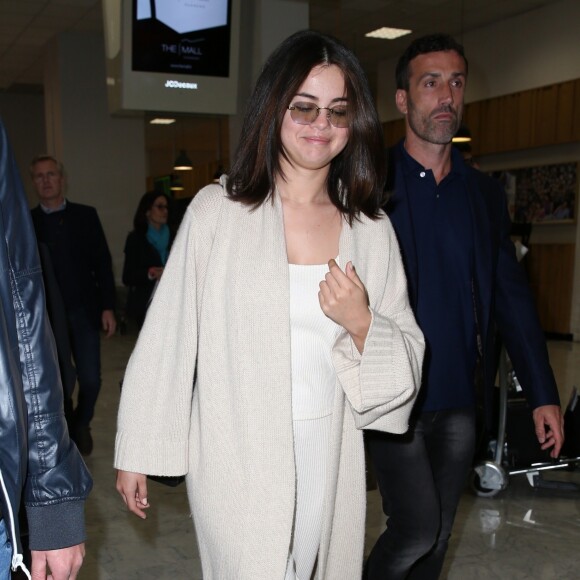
(133, 489)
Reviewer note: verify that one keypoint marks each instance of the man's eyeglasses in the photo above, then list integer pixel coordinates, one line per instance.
(307, 113)
(43, 176)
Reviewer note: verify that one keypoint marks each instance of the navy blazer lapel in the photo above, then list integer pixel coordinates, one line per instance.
(399, 213)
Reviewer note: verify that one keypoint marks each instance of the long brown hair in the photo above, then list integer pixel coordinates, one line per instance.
(357, 174)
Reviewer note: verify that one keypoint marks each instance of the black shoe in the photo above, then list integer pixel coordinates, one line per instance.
(83, 439)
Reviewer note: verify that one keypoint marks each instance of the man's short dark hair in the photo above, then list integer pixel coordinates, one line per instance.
(425, 45)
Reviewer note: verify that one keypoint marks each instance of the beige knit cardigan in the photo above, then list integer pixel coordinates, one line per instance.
(223, 303)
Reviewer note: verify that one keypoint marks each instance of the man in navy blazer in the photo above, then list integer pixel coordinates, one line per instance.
(80, 256)
(464, 283)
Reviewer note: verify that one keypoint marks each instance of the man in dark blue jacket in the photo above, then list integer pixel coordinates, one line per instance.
(82, 265)
(37, 459)
(464, 281)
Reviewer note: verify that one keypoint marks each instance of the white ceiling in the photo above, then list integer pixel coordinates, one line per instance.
(26, 26)
(351, 19)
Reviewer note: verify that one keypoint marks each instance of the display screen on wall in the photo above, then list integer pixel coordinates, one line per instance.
(190, 37)
(543, 194)
(173, 55)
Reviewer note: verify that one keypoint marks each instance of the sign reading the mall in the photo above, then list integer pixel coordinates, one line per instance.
(182, 36)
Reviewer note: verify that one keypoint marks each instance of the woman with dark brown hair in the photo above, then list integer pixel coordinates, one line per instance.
(285, 297)
(146, 252)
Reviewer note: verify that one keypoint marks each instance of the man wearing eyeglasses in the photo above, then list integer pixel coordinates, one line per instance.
(464, 281)
(82, 264)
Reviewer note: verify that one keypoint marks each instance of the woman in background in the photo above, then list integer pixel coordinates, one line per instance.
(294, 349)
(146, 252)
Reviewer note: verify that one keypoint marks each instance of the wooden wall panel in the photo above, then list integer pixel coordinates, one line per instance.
(393, 131)
(508, 123)
(526, 113)
(546, 116)
(472, 119)
(490, 115)
(576, 113)
(565, 113)
(534, 118)
(551, 270)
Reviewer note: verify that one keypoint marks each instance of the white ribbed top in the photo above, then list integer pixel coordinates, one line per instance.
(312, 335)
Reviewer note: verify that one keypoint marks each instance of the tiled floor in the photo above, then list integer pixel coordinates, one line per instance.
(522, 533)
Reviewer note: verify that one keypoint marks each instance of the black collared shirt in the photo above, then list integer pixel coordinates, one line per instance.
(443, 236)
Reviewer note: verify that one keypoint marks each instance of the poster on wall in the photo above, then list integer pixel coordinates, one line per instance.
(542, 194)
(190, 37)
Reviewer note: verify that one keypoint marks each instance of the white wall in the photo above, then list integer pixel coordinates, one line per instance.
(104, 156)
(539, 48)
(264, 25)
(23, 117)
(278, 20)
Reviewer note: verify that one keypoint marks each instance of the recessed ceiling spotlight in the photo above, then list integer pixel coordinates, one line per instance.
(388, 33)
(161, 121)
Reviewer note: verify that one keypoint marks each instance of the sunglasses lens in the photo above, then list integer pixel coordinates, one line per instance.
(303, 113)
(307, 113)
(339, 117)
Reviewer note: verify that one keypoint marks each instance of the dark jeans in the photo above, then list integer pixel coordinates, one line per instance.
(86, 348)
(421, 476)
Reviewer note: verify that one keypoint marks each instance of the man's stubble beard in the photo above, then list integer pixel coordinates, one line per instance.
(429, 130)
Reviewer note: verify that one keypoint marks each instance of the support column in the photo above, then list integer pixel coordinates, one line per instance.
(264, 25)
(104, 156)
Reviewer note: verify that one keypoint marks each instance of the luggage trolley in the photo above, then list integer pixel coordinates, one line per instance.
(491, 476)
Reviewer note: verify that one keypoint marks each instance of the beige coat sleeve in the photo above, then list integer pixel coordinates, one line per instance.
(155, 407)
(382, 384)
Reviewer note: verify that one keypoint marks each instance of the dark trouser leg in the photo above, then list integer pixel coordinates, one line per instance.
(450, 442)
(421, 476)
(409, 499)
(86, 348)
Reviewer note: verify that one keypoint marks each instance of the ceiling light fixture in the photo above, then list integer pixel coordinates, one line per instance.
(183, 162)
(387, 33)
(176, 183)
(161, 121)
(463, 135)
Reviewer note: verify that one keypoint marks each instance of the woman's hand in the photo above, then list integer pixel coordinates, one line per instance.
(343, 298)
(154, 273)
(133, 490)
